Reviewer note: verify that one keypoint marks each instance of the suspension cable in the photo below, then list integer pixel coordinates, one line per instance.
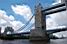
(30, 27)
(23, 27)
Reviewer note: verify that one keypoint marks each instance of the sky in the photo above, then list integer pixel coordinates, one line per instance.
(16, 13)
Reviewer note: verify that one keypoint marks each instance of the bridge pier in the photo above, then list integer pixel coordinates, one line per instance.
(39, 33)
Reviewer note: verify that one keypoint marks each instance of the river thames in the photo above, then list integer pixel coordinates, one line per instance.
(57, 41)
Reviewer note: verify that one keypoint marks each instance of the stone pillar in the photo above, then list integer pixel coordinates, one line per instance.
(39, 33)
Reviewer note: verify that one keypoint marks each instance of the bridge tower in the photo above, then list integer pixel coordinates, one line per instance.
(39, 33)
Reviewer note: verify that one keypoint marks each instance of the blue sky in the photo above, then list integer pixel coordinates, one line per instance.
(5, 5)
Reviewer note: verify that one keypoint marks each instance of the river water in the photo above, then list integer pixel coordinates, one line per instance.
(58, 41)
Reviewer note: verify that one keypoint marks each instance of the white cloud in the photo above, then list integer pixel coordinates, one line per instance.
(50, 23)
(57, 19)
(4, 16)
(2, 21)
(6, 20)
(60, 18)
(11, 18)
(23, 10)
(17, 24)
(56, 2)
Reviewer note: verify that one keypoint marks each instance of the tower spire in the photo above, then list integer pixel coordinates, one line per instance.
(38, 5)
(37, 2)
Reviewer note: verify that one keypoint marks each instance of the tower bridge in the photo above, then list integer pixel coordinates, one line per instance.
(40, 32)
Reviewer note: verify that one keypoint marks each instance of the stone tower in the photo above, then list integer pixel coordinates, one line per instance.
(39, 33)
